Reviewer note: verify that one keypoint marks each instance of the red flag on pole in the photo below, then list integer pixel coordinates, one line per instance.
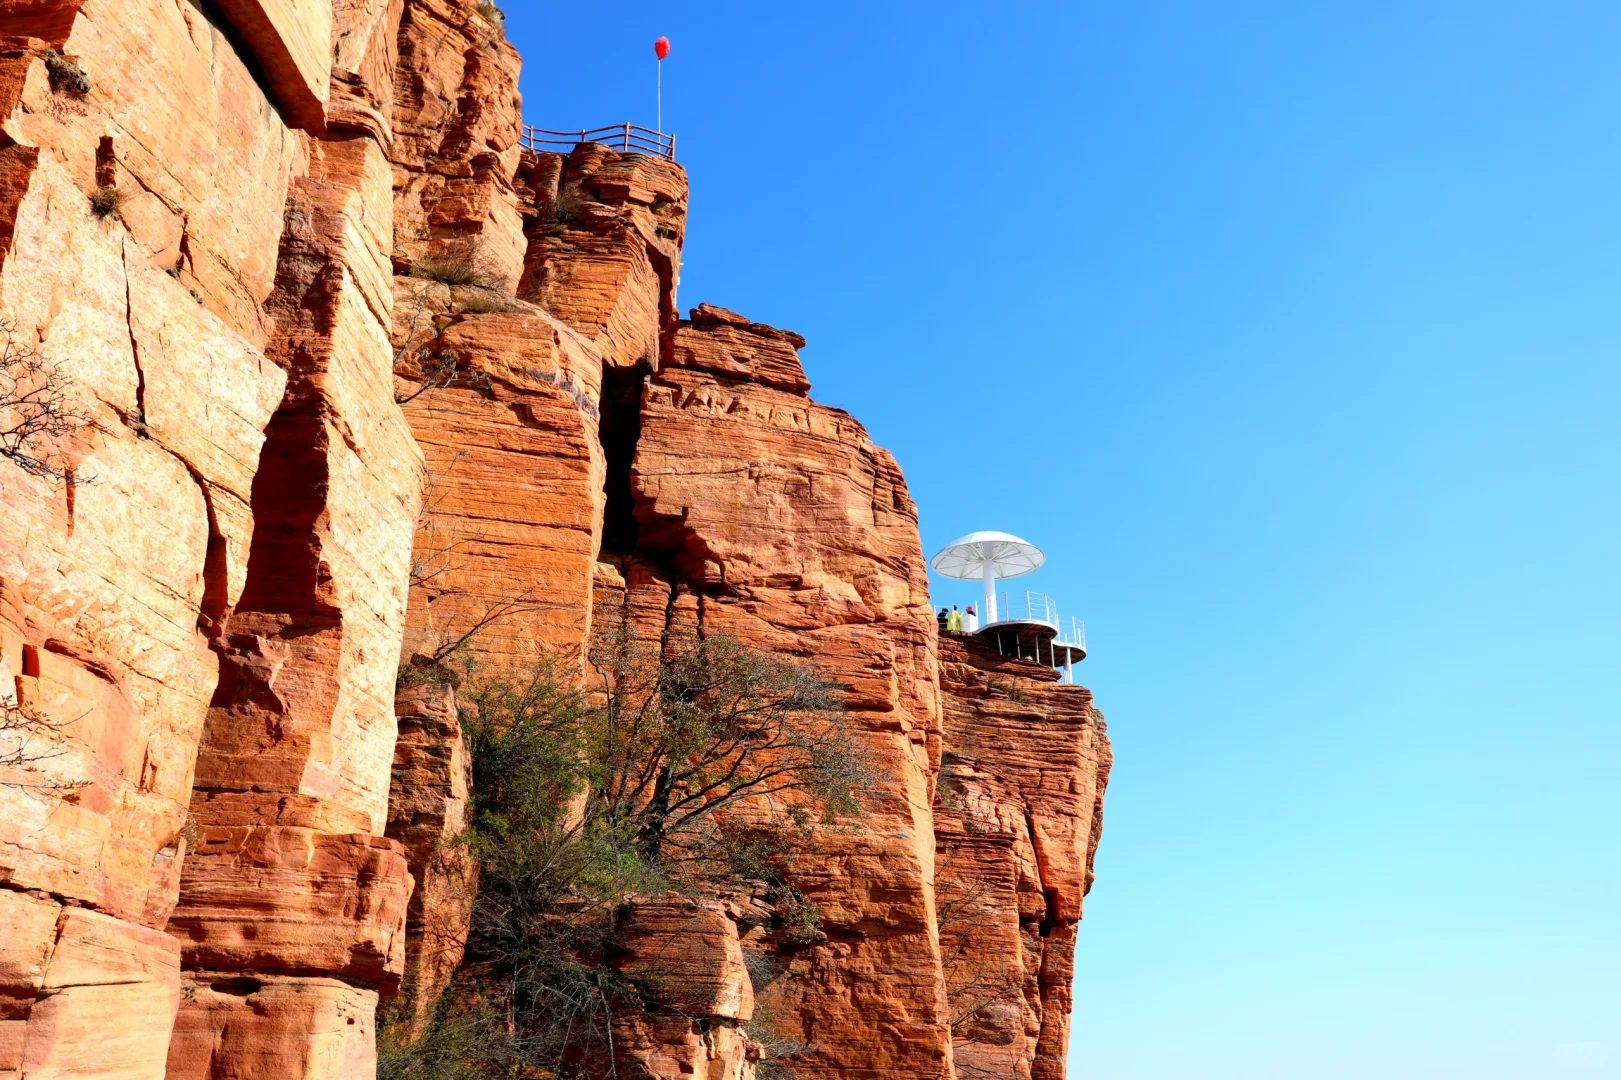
(661, 48)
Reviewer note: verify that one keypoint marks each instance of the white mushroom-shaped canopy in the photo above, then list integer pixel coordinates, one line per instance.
(1008, 556)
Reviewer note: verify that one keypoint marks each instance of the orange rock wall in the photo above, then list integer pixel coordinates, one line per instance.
(688, 959)
(1018, 815)
(455, 118)
(292, 877)
(427, 813)
(778, 521)
(211, 601)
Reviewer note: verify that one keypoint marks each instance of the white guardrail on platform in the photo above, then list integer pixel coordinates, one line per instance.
(1038, 607)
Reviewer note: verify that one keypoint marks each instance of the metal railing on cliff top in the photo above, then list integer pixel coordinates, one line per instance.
(626, 138)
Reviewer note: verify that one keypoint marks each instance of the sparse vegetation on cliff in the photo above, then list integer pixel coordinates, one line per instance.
(484, 302)
(421, 358)
(454, 266)
(106, 202)
(684, 737)
(565, 205)
(681, 767)
(66, 76)
(27, 738)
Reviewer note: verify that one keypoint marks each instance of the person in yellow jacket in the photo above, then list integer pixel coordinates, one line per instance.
(954, 620)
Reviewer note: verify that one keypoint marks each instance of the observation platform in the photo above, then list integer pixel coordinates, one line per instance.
(1027, 626)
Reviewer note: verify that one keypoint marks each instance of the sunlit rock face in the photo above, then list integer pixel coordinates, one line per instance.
(1018, 816)
(766, 516)
(352, 374)
(208, 596)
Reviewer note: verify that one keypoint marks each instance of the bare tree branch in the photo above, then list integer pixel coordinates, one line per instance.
(36, 409)
(708, 727)
(435, 546)
(452, 641)
(27, 738)
(422, 357)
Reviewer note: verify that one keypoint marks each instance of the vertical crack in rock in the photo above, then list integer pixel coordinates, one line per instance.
(215, 602)
(1049, 894)
(621, 429)
(134, 345)
(669, 617)
(107, 167)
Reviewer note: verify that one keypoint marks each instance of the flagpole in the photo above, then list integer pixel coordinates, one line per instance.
(661, 49)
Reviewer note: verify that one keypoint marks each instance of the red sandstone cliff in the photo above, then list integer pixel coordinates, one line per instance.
(211, 599)
(329, 291)
(1018, 814)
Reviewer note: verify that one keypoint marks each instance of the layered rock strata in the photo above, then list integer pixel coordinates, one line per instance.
(1017, 818)
(686, 955)
(765, 516)
(428, 814)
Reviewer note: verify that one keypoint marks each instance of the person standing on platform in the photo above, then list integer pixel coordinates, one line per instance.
(970, 621)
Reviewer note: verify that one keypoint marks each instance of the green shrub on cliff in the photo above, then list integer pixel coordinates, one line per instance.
(679, 766)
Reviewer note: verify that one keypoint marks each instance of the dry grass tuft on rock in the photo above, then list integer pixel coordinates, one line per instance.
(66, 76)
(565, 205)
(492, 13)
(485, 302)
(106, 202)
(456, 267)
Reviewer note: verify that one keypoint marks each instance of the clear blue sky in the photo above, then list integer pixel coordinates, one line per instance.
(1291, 332)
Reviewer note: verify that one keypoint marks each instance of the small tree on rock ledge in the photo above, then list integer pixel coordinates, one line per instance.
(688, 765)
(682, 738)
